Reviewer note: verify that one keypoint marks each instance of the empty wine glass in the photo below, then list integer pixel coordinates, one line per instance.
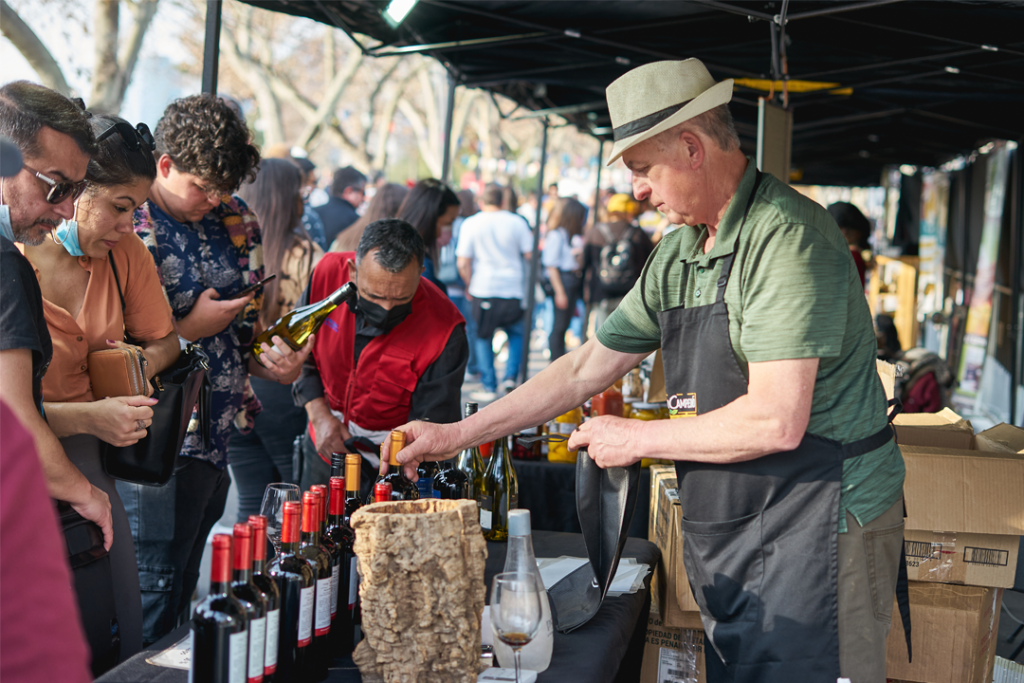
(515, 611)
(272, 508)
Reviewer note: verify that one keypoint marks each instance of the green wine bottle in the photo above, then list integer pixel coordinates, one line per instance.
(501, 492)
(471, 463)
(296, 326)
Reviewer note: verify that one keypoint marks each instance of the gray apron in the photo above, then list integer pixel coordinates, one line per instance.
(760, 538)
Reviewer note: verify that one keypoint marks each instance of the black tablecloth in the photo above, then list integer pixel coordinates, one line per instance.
(548, 490)
(607, 649)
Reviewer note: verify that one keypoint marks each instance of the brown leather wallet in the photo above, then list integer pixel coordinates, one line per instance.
(118, 372)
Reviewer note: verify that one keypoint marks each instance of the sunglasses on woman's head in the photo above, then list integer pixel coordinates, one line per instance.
(133, 138)
(59, 190)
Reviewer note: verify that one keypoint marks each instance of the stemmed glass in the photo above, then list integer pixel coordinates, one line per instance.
(515, 611)
(272, 508)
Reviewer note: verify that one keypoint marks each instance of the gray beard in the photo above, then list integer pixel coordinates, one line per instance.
(28, 235)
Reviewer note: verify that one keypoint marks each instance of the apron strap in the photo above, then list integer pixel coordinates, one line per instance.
(903, 592)
(723, 278)
(897, 408)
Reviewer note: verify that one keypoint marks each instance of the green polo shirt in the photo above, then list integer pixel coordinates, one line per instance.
(794, 292)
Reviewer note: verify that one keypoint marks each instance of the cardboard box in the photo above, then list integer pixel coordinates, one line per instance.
(658, 473)
(672, 655)
(1002, 438)
(665, 531)
(684, 596)
(965, 491)
(967, 559)
(944, 429)
(954, 634)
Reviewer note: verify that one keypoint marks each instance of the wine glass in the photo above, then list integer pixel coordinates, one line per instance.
(272, 508)
(515, 611)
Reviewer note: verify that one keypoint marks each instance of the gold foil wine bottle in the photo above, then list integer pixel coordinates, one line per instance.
(296, 326)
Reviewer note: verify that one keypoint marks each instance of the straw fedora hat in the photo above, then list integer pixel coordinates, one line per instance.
(654, 97)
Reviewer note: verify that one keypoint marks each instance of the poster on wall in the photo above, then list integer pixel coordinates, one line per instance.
(979, 315)
(932, 244)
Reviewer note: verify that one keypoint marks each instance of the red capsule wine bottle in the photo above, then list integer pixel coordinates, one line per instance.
(333, 551)
(266, 583)
(219, 632)
(401, 487)
(296, 581)
(382, 492)
(310, 549)
(342, 635)
(253, 599)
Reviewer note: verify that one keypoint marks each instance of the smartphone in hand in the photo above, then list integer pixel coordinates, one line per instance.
(252, 288)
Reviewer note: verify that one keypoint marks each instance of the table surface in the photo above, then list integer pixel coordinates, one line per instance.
(607, 649)
(548, 490)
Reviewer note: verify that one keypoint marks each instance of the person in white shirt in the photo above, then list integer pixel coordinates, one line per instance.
(561, 265)
(494, 246)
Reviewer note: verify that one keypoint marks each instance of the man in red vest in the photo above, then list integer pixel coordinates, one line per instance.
(398, 354)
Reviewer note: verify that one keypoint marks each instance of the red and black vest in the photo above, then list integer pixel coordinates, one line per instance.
(376, 394)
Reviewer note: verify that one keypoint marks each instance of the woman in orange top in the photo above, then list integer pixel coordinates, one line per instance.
(83, 313)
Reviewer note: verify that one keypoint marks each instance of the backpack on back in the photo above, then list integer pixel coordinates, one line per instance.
(617, 268)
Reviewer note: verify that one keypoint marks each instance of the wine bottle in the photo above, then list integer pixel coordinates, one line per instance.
(310, 549)
(425, 472)
(296, 581)
(297, 325)
(253, 600)
(343, 538)
(219, 631)
(451, 483)
(331, 548)
(353, 501)
(382, 492)
(536, 655)
(266, 583)
(501, 492)
(338, 464)
(471, 463)
(401, 487)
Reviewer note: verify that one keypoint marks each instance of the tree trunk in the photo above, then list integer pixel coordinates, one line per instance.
(32, 49)
(422, 591)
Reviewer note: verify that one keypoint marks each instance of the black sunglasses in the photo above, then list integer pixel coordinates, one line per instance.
(59, 191)
(133, 138)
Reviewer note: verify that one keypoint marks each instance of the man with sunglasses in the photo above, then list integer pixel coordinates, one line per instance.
(55, 141)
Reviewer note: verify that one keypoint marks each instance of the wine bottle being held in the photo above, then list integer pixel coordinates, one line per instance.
(296, 581)
(501, 492)
(343, 537)
(471, 463)
(382, 492)
(330, 547)
(310, 549)
(401, 487)
(252, 598)
(220, 634)
(266, 583)
(296, 326)
(353, 501)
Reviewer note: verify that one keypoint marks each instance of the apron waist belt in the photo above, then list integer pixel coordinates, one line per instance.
(868, 444)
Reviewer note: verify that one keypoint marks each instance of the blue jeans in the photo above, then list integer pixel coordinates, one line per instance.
(169, 526)
(466, 309)
(485, 356)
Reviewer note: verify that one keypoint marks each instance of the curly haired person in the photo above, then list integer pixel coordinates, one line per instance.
(207, 246)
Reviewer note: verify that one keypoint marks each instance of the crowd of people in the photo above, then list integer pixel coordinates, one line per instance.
(118, 237)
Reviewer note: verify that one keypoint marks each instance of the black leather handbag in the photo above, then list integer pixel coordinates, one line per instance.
(179, 389)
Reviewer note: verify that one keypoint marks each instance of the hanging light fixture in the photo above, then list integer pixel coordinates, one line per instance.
(397, 10)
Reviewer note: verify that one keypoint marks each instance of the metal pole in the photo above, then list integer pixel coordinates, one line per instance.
(211, 51)
(531, 281)
(446, 165)
(597, 189)
(1016, 226)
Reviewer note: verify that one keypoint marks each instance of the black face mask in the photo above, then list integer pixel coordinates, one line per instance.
(381, 318)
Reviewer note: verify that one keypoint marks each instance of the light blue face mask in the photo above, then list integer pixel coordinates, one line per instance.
(66, 235)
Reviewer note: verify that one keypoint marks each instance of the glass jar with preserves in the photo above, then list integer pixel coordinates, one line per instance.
(566, 424)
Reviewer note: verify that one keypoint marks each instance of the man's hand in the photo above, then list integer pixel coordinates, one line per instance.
(210, 316)
(610, 441)
(423, 441)
(96, 508)
(122, 420)
(281, 362)
(330, 433)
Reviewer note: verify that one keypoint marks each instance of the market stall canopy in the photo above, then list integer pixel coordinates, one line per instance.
(870, 83)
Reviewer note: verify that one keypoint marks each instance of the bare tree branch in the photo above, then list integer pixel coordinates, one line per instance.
(32, 49)
(332, 94)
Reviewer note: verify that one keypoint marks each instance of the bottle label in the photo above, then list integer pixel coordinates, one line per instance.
(486, 507)
(239, 646)
(353, 585)
(335, 576)
(273, 638)
(306, 615)
(257, 648)
(323, 607)
(437, 494)
(426, 487)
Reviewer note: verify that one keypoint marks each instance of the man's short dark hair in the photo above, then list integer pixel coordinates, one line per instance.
(204, 136)
(397, 243)
(492, 195)
(26, 107)
(345, 178)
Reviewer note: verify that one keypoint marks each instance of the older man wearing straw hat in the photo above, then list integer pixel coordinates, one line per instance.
(789, 477)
